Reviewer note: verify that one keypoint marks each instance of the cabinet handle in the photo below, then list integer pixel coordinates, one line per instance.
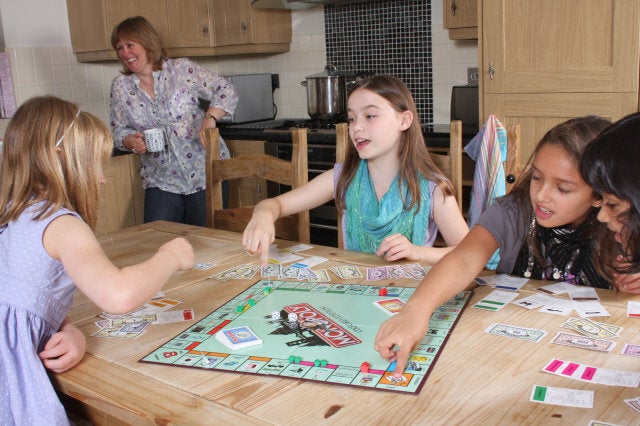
(454, 8)
(243, 26)
(205, 31)
(492, 70)
(258, 190)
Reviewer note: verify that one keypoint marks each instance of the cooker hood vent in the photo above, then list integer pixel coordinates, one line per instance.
(302, 4)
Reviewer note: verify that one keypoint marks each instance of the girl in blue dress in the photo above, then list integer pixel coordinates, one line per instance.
(51, 170)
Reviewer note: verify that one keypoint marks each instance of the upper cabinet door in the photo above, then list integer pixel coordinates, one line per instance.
(538, 46)
(189, 22)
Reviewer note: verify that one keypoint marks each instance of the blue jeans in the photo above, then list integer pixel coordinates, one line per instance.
(190, 209)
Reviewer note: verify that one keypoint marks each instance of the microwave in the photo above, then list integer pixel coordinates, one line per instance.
(255, 98)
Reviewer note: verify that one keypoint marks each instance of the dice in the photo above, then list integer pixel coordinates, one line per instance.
(292, 317)
(275, 315)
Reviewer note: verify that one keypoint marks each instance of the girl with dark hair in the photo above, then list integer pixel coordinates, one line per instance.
(610, 165)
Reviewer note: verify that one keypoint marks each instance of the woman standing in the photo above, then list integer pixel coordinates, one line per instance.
(155, 92)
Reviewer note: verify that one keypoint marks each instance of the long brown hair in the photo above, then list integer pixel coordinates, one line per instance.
(572, 136)
(414, 156)
(33, 169)
(141, 31)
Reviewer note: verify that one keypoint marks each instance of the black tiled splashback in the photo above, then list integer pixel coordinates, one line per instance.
(390, 37)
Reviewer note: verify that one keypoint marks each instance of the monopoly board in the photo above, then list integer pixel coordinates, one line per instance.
(331, 340)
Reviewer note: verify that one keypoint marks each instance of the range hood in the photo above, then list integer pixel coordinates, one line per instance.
(301, 4)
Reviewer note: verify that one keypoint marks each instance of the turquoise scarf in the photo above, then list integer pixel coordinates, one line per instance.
(369, 222)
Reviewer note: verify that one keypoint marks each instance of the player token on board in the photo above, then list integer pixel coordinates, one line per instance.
(364, 367)
(383, 292)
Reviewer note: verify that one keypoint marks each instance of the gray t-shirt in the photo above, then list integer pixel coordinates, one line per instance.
(505, 221)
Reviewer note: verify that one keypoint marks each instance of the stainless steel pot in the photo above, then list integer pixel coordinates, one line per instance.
(327, 93)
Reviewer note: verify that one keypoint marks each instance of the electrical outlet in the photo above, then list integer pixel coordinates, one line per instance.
(472, 76)
(275, 81)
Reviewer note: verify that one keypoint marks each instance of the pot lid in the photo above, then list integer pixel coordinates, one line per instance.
(331, 70)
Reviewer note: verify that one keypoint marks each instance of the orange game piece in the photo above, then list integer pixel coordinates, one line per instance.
(382, 292)
(364, 367)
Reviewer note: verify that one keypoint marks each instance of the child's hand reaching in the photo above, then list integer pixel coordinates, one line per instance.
(64, 349)
(182, 251)
(398, 336)
(259, 234)
(397, 246)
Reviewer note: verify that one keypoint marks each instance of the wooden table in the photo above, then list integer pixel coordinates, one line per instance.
(478, 379)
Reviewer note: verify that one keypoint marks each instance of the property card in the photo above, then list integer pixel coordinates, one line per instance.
(238, 337)
(591, 309)
(587, 373)
(534, 301)
(174, 316)
(582, 293)
(558, 307)
(297, 248)
(583, 342)
(390, 306)
(633, 309)
(562, 396)
(496, 300)
(630, 349)
(516, 332)
(554, 289)
(309, 262)
(502, 281)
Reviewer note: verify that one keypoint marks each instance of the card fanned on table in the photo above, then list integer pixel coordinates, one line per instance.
(238, 337)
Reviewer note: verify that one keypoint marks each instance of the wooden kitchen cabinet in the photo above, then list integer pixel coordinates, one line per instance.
(461, 18)
(237, 23)
(122, 196)
(246, 191)
(186, 27)
(545, 61)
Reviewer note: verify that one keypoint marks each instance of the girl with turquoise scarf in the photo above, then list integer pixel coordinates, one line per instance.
(394, 198)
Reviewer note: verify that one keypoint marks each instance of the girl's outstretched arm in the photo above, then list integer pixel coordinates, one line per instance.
(447, 278)
(115, 290)
(260, 231)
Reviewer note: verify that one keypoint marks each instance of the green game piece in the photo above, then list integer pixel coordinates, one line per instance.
(297, 360)
(251, 302)
(323, 363)
(240, 308)
(316, 363)
(292, 358)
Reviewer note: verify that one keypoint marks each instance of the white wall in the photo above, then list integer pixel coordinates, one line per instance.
(31, 23)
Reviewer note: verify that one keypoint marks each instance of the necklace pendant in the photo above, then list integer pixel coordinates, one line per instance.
(527, 274)
(556, 275)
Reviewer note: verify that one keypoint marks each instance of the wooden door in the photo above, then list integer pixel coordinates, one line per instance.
(545, 61)
(88, 25)
(461, 18)
(189, 21)
(153, 10)
(232, 20)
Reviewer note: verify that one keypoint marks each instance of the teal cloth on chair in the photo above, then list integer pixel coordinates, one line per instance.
(489, 149)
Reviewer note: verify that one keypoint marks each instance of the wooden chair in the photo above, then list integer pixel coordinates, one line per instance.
(292, 173)
(342, 143)
(450, 163)
(512, 167)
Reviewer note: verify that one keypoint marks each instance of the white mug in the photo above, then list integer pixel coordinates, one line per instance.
(154, 139)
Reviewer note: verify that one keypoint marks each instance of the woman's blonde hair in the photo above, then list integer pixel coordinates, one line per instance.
(52, 153)
(141, 31)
